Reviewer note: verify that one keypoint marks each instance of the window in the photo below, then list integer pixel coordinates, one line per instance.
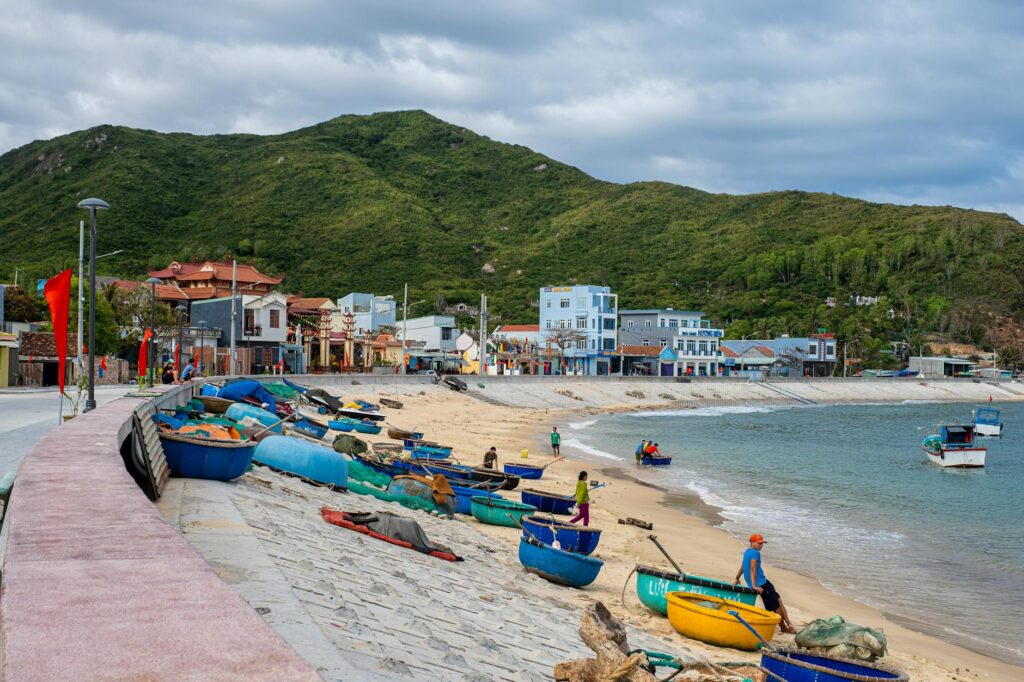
(686, 323)
(249, 322)
(275, 319)
(673, 323)
(661, 323)
(609, 323)
(680, 345)
(645, 342)
(593, 343)
(691, 347)
(812, 349)
(608, 344)
(581, 323)
(563, 303)
(703, 346)
(830, 349)
(629, 324)
(663, 342)
(446, 333)
(581, 303)
(581, 344)
(549, 324)
(647, 324)
(548, 303)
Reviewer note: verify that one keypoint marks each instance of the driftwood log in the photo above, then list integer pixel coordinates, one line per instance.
(606, 637)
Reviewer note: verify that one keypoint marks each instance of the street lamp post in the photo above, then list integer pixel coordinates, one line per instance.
(181, 335)
(150, 352)
(202, 345)
(92, 205)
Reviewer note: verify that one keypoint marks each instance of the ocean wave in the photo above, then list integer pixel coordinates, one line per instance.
(577, 444)
(920, 402)
(704, 411)
(582, 425)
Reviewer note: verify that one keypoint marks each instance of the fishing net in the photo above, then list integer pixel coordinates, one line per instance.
(282, 391)
(364, 480)
(349, 445)
(365, 474)
(836, 637)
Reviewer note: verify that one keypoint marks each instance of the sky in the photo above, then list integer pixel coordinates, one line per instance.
(894, 101)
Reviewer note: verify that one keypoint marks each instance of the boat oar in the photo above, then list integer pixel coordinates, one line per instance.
(737, 616)
(520, 524)
(654, 539)
(268, 428)
(557, 459)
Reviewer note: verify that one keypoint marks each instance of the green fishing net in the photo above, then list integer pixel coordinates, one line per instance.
(363, 480)
(282, 390)
(836, 637)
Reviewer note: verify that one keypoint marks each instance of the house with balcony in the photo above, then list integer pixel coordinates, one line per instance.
(578, 329)
(694, 342)
(261, 329)
(369, 312)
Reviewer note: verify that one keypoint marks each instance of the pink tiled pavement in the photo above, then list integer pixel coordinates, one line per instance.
(96, 585)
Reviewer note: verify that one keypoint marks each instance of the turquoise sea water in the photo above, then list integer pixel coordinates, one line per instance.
(846, 494)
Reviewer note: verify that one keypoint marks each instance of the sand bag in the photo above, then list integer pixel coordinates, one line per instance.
(836, 637)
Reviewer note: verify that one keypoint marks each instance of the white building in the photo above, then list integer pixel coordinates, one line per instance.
(265, 318)
(692, 338)
(578, 328)
(436, 332)
(369, 311)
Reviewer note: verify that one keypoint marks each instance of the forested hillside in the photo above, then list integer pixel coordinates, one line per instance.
(371, 202)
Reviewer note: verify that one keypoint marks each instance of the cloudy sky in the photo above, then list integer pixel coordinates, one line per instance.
(903, 101)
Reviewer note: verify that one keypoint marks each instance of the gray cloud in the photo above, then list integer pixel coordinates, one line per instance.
(911, 102)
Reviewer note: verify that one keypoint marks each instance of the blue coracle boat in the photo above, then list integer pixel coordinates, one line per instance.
(657, 460)
(557, 565)
(300, 457)
(571, 538)
(463, 497)
(240, 411)
(548, 502)
(427, 448)
(344, 425)
(216, 460)
(798, 665)
(358, 425)
(525, 471)
(309, 427)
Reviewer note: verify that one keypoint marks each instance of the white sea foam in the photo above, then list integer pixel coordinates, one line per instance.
(920, 402)
(582, 425)
(577, 444)
(704, 411)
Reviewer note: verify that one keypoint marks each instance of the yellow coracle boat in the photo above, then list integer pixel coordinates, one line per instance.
(706, 619)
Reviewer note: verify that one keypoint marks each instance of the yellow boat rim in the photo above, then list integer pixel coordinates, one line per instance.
(707, 619)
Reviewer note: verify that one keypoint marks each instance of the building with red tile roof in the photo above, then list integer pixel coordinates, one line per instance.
(212, 279)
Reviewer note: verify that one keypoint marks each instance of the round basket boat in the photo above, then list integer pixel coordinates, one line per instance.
(706, 619)
(799, 665)
(571, 538)
(495, 511)
(652, 584)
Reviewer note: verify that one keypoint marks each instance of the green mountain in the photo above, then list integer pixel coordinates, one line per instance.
(370, 202)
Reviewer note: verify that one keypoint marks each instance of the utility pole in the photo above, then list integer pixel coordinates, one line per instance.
(81, 294)
(482, 364)
(846, 360)
(234, 316)
(405, 327)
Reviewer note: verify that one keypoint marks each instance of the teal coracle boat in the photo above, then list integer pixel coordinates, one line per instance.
(653, 584)
(495, 511)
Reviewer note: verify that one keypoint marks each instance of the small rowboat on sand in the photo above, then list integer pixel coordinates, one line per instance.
(215, 405)
(653, 584)
(799, 665)
(524, 471)
(495, 511)
(571, 538)
(706, 619)
(548, 502)
(557, 565)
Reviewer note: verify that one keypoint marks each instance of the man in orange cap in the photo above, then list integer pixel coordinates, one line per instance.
(752, 572)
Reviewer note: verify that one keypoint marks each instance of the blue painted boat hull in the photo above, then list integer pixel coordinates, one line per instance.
(558, 566)
(431, 453)
(201, 458)
(657, 461)
(310, 428)
(578, 539)
(431, 450)
(339, 425)
(309, 460)
(524, 471)
(551, 504)
(792, 666)
(463, 498)
(240, 411)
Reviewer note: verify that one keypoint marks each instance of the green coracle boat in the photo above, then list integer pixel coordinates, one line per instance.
(653, 584)
(495, 511)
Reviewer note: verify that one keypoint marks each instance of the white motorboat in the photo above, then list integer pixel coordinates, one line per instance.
(988, 421)
(954, 446)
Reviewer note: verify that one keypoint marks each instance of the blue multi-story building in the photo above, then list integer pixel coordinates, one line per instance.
(578, 329)
(369, 311)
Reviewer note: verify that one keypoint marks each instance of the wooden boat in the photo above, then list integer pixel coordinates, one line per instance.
(557, 565)
(706, 619)
(217, 460)
(357, 425)
(548, 502)
(525, 471)
(241, 411)
(394, 404)
(954, 446)
(495, 511)
(988, 421)
(799, 665)
(302, 458)
(215, 405)
(571, 538)
(402, 434)
(657, 460)
(653, 584)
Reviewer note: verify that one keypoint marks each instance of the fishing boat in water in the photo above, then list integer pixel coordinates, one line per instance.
(954, 446)
(988, 421)
(657, 460)
(653, 584)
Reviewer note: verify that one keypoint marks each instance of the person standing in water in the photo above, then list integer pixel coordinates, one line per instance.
(753, 573)
(556, 441)
(582, 500)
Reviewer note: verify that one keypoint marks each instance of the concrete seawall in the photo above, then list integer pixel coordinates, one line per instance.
(97, 585)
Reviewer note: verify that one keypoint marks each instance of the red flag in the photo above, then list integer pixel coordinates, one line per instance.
(144, 352)
(57, 291)
(103, 363)
(177, 357)
(990, 398)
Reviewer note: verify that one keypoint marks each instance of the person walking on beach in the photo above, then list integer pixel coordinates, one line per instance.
(582, 500)
(753, 573)
(490, 458)
(556, 441)
(640, 449)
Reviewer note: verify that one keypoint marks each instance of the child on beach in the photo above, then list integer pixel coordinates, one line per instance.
(556, 440)
(582, 500)
(753, 573)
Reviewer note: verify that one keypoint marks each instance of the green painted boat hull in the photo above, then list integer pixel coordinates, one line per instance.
(496, 511)
(652, 585)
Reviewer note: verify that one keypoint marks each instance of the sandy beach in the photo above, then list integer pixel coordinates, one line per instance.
(683, 523)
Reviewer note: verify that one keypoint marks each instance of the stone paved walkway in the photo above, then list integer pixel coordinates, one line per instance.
(359, 608)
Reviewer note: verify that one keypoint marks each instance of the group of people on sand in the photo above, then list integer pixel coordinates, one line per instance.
(648, 449)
